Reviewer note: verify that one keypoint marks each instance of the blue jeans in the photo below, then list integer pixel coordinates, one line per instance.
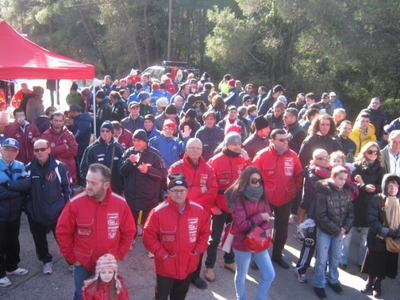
(361, 249)
(264, 264)
(329, 248)
(80, 274)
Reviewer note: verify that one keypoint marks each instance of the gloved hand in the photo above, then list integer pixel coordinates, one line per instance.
(393, 233)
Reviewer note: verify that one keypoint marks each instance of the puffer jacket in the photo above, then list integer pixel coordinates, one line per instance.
(245, 217)
(14, 182)
(201, 176)
(88, 229)
(357, 137)
(176, 239)
(102, 291)
(226, 169)
(334, 208)
(371, 174)
(282, 174)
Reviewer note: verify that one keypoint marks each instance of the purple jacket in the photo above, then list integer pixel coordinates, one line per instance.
(243, 217)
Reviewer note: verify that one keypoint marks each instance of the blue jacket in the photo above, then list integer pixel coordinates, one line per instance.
(211, 138)
(154, 133)
(50, 190)
(82, 128)
(171, 148)
(155, 95)
(13, 182)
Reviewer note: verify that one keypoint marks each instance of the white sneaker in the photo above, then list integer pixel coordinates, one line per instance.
(150, 255)
(307, 223)
(5, 282)
(292, 219)
(47, 268)
(19, 272)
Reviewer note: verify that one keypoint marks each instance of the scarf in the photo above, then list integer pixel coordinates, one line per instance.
(392, 211)
(230, 153)
(253, 193)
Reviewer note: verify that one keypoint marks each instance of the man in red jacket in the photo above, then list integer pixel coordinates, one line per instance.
(282, 175)
(227, 166)
(62, 142)
(202, 186)
(176, 232)
(87, 230)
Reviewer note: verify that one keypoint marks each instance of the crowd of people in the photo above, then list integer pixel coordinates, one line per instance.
(176, 164)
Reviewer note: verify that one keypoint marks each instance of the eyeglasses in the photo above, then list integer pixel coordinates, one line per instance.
(392, 186)
(177, 192)
(282, 140)
(37, 150)
(323, 158)
(255, 180)
(374, 152)
(105, 130)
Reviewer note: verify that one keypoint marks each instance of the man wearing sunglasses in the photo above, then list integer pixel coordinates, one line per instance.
(282, 175)
(50, 191)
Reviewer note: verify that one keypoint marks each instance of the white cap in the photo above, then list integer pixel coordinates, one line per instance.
(281, 98)
(332, 94)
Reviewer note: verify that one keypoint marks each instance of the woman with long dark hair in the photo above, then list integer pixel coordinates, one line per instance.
(248, 203)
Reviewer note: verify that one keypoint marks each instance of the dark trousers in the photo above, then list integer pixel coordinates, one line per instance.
(308, 249)
(281, 214)
(176, 289)
(296, 203)
(196, 274)
(9, 246)
(218, 222)
(79, 179)
(39, 234)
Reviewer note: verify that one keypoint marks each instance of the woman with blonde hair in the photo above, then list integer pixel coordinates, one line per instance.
(368, 174)
(384, 221)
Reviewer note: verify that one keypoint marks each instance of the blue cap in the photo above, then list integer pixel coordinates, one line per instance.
(10, 143)
(143, 96)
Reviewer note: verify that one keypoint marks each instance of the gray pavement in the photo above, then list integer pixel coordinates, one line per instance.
(137, 271)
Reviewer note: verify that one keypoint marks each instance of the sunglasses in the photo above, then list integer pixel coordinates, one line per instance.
(323, 158)
(37, 150)
(370, 152)
(255, 180)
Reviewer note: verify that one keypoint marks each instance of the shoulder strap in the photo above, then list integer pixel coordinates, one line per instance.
(383, 210)
(112, 157)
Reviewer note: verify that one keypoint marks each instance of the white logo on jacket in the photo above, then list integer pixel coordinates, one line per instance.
(192, 226)
(112, 224)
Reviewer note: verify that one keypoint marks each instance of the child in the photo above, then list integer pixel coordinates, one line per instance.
(106, 283)
(334, 217)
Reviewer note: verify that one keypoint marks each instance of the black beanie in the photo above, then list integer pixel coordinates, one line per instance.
(260, 123)
(140, 134)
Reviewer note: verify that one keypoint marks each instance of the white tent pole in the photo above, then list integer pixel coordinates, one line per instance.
(94, 108)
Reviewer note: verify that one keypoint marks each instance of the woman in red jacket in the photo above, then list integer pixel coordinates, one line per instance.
(248, 202)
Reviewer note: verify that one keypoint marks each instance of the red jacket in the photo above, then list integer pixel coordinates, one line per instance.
(176, 239)
(25, 139)
(102, 291)
(282, 174)
(201, 177)
(58, 144)
(125, 139)
(226, 169)
(243, 216)
(87, 229)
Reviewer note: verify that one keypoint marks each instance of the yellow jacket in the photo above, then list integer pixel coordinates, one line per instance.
(356, 137)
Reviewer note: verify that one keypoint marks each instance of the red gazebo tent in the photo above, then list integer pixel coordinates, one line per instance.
(21, 58)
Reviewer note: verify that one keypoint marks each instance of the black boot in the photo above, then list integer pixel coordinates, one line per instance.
(377, 288)
(368, 286)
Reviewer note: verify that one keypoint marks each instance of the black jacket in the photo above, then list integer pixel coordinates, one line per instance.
(119, 110)
(313, 142)
(334, 209)
(50, 190)
(132, 124)
(103, 113)
(82, 129)
(101, 152)
(347, 146)
(142, 190)
(211, 138)
(371, 174)
(296, 136)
